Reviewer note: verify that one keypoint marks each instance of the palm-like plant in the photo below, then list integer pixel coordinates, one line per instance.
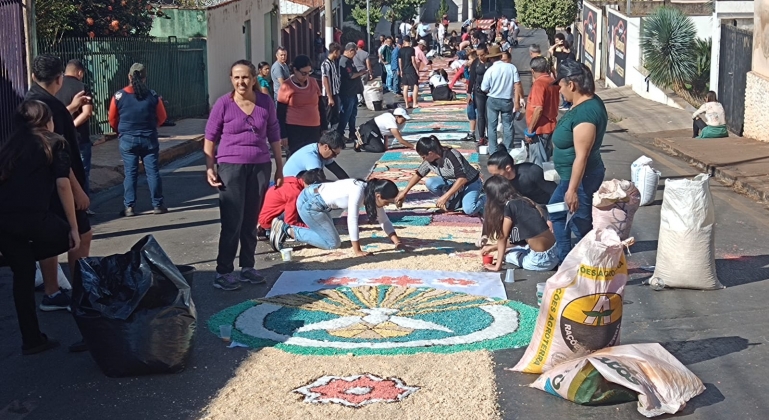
(668, 45)
(701, 78)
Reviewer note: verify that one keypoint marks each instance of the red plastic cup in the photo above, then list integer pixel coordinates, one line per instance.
(488, 259)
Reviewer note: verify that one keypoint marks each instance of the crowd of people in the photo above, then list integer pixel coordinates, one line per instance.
(44, 190)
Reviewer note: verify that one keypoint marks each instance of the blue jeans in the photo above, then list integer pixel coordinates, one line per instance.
(132, 148)
(524, 257)
(541, 149)
(495, 106)
(85, 155)
(389, 78)
(396, 81)
(348, 112)
(582, 221)
(320, 231)
(470, 197)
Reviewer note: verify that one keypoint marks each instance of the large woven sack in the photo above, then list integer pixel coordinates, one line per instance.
(645, 178)
(617, 374)
(686, 248)
(614, 206)
(581, 309)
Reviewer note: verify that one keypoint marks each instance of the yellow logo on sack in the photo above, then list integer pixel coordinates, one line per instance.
(592, 322)
(603, 273)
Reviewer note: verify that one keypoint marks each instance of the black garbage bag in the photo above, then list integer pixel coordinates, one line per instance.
(135, 311)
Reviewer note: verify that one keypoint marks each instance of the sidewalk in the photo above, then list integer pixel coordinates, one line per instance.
(107, 165)
(738, 162)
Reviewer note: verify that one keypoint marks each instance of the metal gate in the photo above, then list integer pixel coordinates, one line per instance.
(13, 62)
(734, 65)
(176, 70)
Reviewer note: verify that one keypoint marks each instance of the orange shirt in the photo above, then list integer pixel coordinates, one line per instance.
(543, 94)
(302, 102)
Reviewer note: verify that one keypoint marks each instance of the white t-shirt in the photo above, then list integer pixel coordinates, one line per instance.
(437, 80)
(348, 194)
(503, 24)
(405, 28)
(441, 31)
(386, 122)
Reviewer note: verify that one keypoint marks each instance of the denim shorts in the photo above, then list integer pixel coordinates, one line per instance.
(471, 113)
(524, 257)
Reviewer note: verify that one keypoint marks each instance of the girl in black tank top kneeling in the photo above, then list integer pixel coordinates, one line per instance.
(520, 228)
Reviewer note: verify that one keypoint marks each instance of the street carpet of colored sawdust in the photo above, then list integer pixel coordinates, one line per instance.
(435, 248)
(380, 320)
(451, 386)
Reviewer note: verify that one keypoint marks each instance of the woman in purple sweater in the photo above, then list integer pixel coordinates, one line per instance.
(245, 126)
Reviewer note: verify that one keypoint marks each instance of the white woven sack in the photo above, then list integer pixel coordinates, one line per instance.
(581, 308)
(686, 247)
(614, 206)
(648, 180)
(636, 166)
(663, 383)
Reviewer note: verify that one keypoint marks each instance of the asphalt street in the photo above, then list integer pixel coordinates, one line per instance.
(719, 335)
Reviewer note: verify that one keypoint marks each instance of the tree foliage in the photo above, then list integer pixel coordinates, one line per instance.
(92, 18)
(668, 45)
(443, 8)
(398, 10)
(546, 14)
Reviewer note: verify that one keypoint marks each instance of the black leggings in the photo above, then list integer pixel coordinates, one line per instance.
(300, 136)
(698, 125)
(372, 138)
(480, 111)
(23, 240)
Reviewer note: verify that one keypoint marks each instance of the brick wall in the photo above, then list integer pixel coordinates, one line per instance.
(756, 110)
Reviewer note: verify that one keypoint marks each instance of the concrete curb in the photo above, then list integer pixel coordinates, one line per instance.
(725, 175)
(166, 156)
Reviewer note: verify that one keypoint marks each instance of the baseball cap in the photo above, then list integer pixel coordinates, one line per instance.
(568, 68)
(400, 112)
(137, 67)
(361, 44)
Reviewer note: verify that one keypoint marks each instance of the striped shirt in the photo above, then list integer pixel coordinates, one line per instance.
(452, 165)
(330, 69)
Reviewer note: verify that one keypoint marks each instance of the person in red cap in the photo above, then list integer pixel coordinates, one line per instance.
(362, 62)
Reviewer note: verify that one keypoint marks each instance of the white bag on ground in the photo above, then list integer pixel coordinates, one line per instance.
(519, 155)
(645, 178)
(686, 247)
(63, 282)
(663, 383)
(581, 308)
(372, 92)
(614, 206)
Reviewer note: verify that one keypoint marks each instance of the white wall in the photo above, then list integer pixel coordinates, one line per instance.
(726, 10)
(226, 41)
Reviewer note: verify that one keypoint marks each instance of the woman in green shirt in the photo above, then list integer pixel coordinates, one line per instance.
(264, 79)
(577, 142)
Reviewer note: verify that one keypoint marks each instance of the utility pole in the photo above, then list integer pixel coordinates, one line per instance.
(329, 22)
(30, 26)
(368, 24)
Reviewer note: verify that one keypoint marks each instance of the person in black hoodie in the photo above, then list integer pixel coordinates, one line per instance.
(34, 162)
(48, 73)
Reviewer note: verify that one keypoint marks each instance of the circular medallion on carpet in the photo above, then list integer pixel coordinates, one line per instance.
(379, 320)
